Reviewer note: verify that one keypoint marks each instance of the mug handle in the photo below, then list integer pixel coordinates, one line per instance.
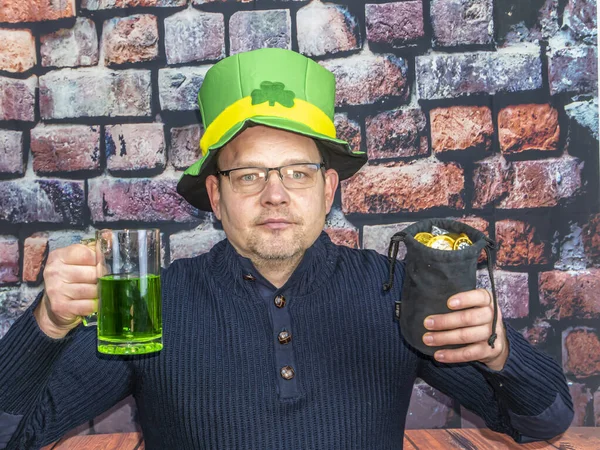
(92, 319)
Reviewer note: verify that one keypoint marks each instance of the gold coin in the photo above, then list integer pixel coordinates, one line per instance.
(462, 242)
(423, 238)
(441, 243)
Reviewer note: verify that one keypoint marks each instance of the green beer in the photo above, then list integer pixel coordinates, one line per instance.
(129, 314)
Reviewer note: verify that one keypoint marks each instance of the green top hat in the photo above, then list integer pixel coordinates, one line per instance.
(273, 87)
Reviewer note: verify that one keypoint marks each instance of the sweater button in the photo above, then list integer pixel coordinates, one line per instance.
(280, 301)
(249, 277)
(287, 372)
(284, 337)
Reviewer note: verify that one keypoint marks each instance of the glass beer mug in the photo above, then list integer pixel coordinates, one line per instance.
(129, 315)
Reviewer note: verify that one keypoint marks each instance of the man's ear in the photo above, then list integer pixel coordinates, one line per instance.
(214, 194)
(332, 180)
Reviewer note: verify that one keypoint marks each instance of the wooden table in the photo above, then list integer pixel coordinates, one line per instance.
(587, 438)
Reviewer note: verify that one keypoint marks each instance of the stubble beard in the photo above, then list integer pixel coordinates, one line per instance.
(277, 246)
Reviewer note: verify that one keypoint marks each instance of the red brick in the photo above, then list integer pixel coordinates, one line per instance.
(343, 236)
(581, 352)
(17, 98)
(377, 237)
(582, 397)
(570, 295)
(538, 334)
(42, 200)
(461, 128)
(111, 4)
(35, 252)
(512, 291)
(135, 146)
(187, 244)
(476, 222)
(447, 75)
(251, 30)
(14, 11)
(65, 148)
(326, 28)
(528, 127)
(13, 303)
(428, 408)
(130, 39)
(541, 22)
(348, 130)
(178, 87)
(366, 78)
(460, 22)
(583, 119)
(580, 17)
(185, 146)
(192, 35)
(11, 152)
(572, 69)
(397, 24)
(66, 93)
(403, 188)
(70, 47)
(400, 133)
(492, 180)
(569, 246)
(139, 199)
(17, 50)
(519, 244)
(9, 259)
(527, 184)
(340, 230)
(591, 239)
(544, 183)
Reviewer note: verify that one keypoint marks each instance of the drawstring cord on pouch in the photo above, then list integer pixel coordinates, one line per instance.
(392, 254)
(489, 247)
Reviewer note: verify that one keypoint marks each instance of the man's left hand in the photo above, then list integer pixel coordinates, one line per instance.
(469, 324)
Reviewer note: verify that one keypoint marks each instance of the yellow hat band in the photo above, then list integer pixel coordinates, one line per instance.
(243, 109)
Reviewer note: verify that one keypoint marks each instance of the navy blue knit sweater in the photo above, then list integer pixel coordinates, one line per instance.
(217, 384)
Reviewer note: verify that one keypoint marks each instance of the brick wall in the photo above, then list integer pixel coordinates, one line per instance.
(482, 110)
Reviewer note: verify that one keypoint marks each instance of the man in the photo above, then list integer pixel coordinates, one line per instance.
(276, 338)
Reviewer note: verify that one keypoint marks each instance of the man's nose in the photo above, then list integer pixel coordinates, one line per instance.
(274, 191)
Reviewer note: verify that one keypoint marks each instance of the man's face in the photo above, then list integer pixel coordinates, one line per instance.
(276, 223)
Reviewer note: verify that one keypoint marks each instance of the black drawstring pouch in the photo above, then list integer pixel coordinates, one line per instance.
(432, 276)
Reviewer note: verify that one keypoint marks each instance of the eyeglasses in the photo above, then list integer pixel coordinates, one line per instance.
(252, 180)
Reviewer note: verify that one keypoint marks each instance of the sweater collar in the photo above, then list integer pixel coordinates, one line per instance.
(232, 269)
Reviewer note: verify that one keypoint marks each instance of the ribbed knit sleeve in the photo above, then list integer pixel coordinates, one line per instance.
(27, 356)
(55, 384)
(533, 386)
(530, 378)
(525, 391)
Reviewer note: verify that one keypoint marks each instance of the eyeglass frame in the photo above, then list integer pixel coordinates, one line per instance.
(226, 173)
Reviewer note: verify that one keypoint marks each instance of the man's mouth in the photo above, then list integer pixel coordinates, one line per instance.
(275, 224)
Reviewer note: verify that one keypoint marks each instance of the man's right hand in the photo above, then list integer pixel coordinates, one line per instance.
(71, 290)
